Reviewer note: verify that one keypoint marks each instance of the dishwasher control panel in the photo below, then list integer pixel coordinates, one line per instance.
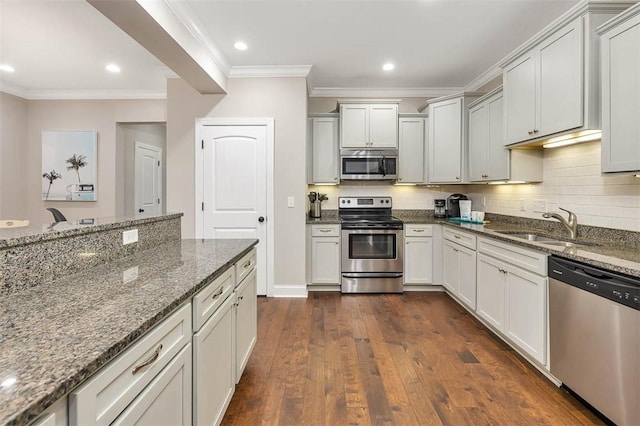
(608, 284)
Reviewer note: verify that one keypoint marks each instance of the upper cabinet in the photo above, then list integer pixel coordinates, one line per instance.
(447, 138)
(489, 160)
(552, 83)
(323, 137)
(368, 125)
(412, 148)
(620, 48)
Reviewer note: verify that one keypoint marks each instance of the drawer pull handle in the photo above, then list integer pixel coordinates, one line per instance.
(418, 230)
(457, 237)
(325, 230)
(150, 361)
(218, 293)
(502, 270)
(246, 265)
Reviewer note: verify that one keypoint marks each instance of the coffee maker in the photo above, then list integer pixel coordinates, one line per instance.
(440, 208)
(453, 204)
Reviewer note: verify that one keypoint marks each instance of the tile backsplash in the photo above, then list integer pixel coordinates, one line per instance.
(572, 180)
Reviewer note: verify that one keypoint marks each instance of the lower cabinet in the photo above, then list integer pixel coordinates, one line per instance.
(214, 366)
(512, 294)
(418, 254)
(56, 415)
(245, 320)
(325, 254)
(459, 266)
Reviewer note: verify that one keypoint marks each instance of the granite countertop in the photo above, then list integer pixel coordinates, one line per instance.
(56, 335)
(10, 237)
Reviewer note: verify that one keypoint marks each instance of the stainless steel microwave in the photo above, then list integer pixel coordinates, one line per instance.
(369, 165)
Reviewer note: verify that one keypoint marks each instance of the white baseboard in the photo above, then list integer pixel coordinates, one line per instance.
(325, 287)
(290, 291)
(422, 287)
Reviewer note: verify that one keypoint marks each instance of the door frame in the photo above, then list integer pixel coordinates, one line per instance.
(267, 122)
(135, 174)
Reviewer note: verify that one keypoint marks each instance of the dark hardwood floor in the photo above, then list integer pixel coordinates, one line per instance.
(411, 359)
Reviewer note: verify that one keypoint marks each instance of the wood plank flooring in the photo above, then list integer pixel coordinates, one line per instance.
(410, 359)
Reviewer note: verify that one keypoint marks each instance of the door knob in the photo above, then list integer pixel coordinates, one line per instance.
(140, 210)
(261, 219)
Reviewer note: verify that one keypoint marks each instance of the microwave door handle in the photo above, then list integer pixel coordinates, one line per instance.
(383, 166)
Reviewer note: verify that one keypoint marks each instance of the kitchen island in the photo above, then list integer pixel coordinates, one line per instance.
(56, 335)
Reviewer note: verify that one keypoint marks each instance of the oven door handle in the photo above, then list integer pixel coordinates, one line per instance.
(373, 275)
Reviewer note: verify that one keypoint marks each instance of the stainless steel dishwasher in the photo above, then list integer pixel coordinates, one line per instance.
(594, 326)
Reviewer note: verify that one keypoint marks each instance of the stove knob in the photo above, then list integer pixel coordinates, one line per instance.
(349, 201)
(387, 201)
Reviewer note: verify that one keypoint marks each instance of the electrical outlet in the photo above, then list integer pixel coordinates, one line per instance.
(523, 205)
(290, 202)
(539, 206)
(130, 236)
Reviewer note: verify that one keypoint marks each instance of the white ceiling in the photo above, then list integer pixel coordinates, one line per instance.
(60, 47)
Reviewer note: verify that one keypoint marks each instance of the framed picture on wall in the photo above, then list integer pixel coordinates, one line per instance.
(69, 165)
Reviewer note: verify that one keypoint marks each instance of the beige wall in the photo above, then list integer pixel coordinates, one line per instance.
(284, 99)
(324, 105)
(99, 115)
(13, 156)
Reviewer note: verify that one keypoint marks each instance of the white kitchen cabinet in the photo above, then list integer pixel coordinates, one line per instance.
(551, 83)
(489, 160)
(368, 125)
(447, 141)
(620, 49)
(324, 162)
(412, 148)
(214, 366)
(459, 271)
(325, 254)
(56, 415)
(418, 254)
(246, 322)
(512, 294)
(167, 400)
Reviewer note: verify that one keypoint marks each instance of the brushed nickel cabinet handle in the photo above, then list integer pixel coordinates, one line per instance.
(418, 230)
(325, 230)
(457, 237)
(218, 293)
(150, 361)
(246, 265)
(530, 132)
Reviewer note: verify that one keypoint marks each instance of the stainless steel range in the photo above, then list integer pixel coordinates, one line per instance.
(372, 246)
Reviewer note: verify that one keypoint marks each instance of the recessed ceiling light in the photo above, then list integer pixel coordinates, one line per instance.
(7, 68)
(240, 45)
(388, 66)
(112, 68)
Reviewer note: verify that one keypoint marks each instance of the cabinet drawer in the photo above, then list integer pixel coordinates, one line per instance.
(418, 230)
(211, 297)
(107, 394)
(531, 260)
(245, 265)
(462, 238)
(325, 230)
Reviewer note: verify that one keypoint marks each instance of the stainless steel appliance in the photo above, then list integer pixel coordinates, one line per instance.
(594, 328)
(453, 204)
(440, 209)
(369, 164)
(372, 246)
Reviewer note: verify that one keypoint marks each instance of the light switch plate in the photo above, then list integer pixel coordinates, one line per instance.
(130, 236)
(290, 202)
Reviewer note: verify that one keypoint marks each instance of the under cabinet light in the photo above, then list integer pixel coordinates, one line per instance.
(506, 182)
(586, 136)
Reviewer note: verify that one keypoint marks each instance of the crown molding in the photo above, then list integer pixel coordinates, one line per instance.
(484, 78)
(12, 90)
(190, 20)
(614, 22)
(250, 71)
(34, 95)
(368, 92)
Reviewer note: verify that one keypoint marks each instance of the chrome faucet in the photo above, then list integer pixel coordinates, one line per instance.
(571, 224)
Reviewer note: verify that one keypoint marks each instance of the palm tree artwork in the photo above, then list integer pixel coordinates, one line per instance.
(51, 176)
(76, 161)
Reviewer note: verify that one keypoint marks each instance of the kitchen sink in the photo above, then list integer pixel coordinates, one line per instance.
(544, 239)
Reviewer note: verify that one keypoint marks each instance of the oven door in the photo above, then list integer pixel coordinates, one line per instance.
(372, 250)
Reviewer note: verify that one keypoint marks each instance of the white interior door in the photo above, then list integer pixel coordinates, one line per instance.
(148, 175)
(235, 186)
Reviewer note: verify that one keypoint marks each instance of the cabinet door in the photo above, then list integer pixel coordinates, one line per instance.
(213, 370)
(325, 150)
(560, 88)
(245, 322)
(492, 287)
(445, 141)
(621, 97)
(55, 415)
(479, 142)
(325, 260)
(451, 267)
(467, 280)
(354, 126)
(383, 126)
(167, 399)
(498, 157)
(418, 263)
(520, 99)
(526, 312)
(411, 150)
